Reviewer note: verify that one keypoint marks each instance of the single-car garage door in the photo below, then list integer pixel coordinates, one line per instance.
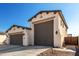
(16, 39)
(43, 34)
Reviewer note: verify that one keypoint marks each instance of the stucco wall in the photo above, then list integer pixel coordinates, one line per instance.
(2, 39)
(62, 30)
(29, 37)
(57, 37)
(32, 33)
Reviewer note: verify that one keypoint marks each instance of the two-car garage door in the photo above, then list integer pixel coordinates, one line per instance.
(43, 33)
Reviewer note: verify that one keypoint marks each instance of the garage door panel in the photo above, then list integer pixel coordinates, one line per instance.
(16, 39)
(43, 33)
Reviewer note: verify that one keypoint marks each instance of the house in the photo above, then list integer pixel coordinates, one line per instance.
(18, 35)
(2, 38)
(48, 28)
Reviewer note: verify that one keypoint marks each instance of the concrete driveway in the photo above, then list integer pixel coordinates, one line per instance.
(11, 50)
(14, 50)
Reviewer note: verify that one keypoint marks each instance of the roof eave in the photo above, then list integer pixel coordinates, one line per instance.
(18, 26)
(43, 11)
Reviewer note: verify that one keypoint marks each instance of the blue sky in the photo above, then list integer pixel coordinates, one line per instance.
(19, 14)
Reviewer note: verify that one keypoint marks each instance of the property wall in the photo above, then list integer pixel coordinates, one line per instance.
(25, 38)
(15, 30)
(28, 38)
(2, 39)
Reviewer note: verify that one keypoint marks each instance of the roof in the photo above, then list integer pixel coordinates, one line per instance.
(18, 27)
(2, 33)
(47, 11)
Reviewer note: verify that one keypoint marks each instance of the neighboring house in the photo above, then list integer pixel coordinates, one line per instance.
(18, 35)
(2, 38)
(48, 28)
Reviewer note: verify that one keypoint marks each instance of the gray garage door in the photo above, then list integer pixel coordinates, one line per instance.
(43, 34)
(16, 39)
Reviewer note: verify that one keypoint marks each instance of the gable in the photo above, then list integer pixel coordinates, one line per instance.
(16, 28)
(47, 14)
(42, 15)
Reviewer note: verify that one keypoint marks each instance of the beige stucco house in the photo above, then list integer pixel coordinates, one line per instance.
(48, 28)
